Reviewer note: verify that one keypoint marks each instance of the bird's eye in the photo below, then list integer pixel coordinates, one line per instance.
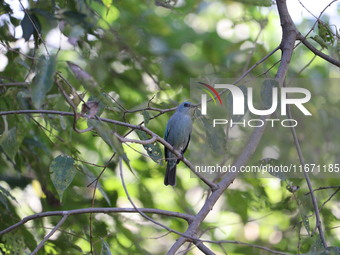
(186, 105)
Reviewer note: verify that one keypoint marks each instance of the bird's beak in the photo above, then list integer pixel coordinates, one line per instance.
(193, 109)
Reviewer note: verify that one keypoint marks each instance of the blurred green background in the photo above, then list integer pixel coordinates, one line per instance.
(130, 53)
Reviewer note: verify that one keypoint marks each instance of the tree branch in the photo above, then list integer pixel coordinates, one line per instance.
(309, 183)
(286, 46)
(322, 188)
(128, 140)
(15, 84)
(317, 52)
(251, 245)
(184, 216)
(289, 36)
(178, 154)
(41, 244)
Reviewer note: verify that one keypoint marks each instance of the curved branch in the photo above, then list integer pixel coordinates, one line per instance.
(289, 35)
(15, 84)
(183, 216)
(128, 140)
(178, 154)
(201, 245)
(252, 245)
(317, 52)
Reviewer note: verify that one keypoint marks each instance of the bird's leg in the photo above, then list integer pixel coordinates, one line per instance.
(182, 155)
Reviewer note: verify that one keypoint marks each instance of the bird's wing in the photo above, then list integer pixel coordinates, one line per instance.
(167, 130)
(186, 146)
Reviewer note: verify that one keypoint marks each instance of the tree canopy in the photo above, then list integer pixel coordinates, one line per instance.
(86, 90)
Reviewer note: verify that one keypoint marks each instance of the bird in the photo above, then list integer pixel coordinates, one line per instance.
(177, 133)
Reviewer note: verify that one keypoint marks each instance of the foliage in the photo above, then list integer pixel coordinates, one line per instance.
(129, 62)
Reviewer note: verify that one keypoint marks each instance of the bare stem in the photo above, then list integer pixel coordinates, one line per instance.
(41, 244)
(309, 184)
(105, 210)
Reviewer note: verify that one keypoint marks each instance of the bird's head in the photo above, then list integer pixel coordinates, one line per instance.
(186, 107)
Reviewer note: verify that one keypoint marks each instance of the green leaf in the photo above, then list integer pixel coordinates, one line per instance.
(105, 249)
(43, 80)
(105, 132)
(153, 150)
(317, 244)
(215, 136)
(146, 116)
(108, 13)
(10, 142)
(3, 200)
(305, 222)
(269, 164)
(62, 172)
(320, 41)
(325, 32)
(267, 92)
(332, 250)
(75, 18)
(90, 84)
(107, 3)
(7, 193)
(29, 24)
(234, 197)
(5, 8)
(145, 196)
(90, 178)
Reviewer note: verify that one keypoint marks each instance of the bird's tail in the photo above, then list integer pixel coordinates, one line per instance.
(170, 175)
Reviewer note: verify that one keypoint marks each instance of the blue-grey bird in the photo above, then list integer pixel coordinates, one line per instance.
(177, 133)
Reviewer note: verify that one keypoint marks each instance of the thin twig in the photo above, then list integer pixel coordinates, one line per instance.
(17, 51)
(41, 244)
(252, 50)
(252, 245)
(317, 18)
(15, 84)
(152, 109)
(329, 199)
(142, 213)
(105, 210)
(74, 108)
(303, 39)
(128, 140)
(256, 64)
(88, 163)
(309, 184)
(322, 188)
(35, 27)
(318, 52)
(95, 181)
